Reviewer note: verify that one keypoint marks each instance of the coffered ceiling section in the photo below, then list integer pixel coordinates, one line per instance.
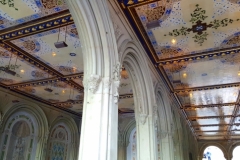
(195, 45)
(30, 64)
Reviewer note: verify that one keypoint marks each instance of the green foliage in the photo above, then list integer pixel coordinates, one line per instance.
(221, 23)
(200, 38)
(183, 31)
(198, 15)
(10, 3)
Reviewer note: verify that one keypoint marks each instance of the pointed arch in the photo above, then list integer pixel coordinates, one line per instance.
(135, 62)
(96, 34)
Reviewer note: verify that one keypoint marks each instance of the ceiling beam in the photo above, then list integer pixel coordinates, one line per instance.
(69, 79)
(210, 87)
(193, 107)
(200, 131)
(210, 117)
(236, 110)
(46, 102)
(199, 56)
(213, 125)
(37, 26)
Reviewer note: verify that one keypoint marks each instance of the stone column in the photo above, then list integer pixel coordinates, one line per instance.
(166, 148)
(146, 141)
(100, 119)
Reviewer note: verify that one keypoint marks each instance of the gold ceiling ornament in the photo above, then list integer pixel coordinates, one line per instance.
(176, 67)
(165, 52)
(29, 45)
(232, 59)
(49, 4)
(182, 85)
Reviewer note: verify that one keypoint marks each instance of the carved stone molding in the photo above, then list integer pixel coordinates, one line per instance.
(155, 114)
(116, 81)
(116, 72)
(92, 83)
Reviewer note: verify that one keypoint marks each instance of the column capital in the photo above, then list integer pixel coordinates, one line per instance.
(92, 82)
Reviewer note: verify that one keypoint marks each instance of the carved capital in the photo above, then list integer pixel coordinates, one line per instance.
(162, 134)
(143, 118)
(92, 83)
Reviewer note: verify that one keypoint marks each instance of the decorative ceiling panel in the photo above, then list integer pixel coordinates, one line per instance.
(213, 128)
(21, 11)
(205, 72)
(211, 121)
(195, 46)
(54, 92)
(211, 111)
(206, 97)
(185, 27)
(66, 60)
(57, 93)
(24, 70)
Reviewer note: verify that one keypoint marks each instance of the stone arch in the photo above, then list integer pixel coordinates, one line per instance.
(96, 33)
(163, 124)
(35, 119)
(203, 147)
(127, 130)
(71, 141)
(135, 62)
(231, 149)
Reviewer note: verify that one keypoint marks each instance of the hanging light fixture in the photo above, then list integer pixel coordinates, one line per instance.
(48, 89)
(61, 44)
(7, 69)
(124, 73)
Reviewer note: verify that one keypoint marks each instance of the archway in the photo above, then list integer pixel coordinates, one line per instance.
(63, 139)
(135, 62)
(213, 153)
(163, 127)
(236, 153)
(24, 133)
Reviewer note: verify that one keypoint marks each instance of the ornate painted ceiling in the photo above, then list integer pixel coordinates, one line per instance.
(31, 65)
(195, 45)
